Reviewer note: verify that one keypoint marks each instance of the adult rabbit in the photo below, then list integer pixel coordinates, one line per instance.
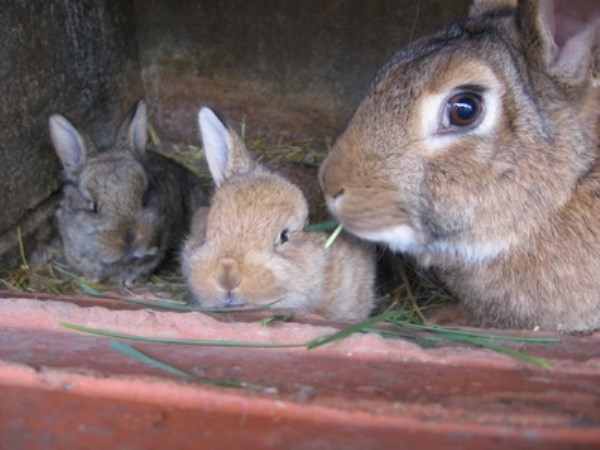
(476, 152)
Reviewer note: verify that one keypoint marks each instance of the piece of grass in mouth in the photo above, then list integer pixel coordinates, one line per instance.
(333, 236)
(326, 225)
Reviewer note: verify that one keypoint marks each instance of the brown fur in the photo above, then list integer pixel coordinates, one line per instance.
(251, 248)
(505, 211)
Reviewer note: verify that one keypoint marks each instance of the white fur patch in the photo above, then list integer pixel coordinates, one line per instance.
(402, 238)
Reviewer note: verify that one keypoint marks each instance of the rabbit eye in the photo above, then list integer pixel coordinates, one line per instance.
(93, 207)
(283, 237)
(462, 110)
(146, 198)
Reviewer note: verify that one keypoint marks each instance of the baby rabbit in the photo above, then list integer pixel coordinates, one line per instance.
(476, 152)
(122, 208)
(251, 248)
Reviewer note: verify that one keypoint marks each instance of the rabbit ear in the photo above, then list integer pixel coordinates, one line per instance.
(68, 142)
(225, 151)
(483, 6)
(137, 134)
(133, 132)
(561, 37)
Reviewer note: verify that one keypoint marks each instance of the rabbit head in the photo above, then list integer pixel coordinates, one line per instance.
(470, 139)
(111, 218)
(250, 248)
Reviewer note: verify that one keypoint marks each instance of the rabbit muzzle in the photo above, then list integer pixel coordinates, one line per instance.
(133, 243)
(370, 208)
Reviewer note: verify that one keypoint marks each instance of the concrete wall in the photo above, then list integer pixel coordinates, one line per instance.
(289, 68)
(74, 57)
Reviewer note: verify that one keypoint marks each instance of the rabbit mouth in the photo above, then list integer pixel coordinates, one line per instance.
(381, 220)
(231, 300)
(138, 255)
(131, 256)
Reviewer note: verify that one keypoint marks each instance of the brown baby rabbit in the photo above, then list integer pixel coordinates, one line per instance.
(251, 248)
(476, 151)
(122, 208)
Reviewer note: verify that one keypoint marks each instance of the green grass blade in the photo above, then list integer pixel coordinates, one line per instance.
(486, 340)
(154, 302)
(439, 334)
(144, 358)
(170, 305)
(133, 353)
(393, 317)
(326, 225)
(201, 342)
(357, 327)
(161, 304)
(331, 239)
(88, 290)
(422, 340)
(504, 349)
(459, 332)
(276, 318)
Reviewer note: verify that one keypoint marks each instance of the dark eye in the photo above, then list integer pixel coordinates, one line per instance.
(283, 237)
(148, 196)
(462, 110)
(93, 207)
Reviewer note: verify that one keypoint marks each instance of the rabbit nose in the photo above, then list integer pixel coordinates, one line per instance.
(128, 238)
(229, 274)
(134, 249)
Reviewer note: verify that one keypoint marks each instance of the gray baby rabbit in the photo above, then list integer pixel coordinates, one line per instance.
(122, 208)
(476, 152)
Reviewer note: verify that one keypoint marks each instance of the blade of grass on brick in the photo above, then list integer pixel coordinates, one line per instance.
(165, 304)
(144, 358)
(276, 318)
(503, 349)
(158, 303)
(487, 340)
(170, 305)
(88, 290)
(357, 327)
(423, 341)
(482, 342)
(162, 340)
(453, 334)
(459, 332)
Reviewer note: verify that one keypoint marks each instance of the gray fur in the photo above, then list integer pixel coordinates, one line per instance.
(124, 208)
